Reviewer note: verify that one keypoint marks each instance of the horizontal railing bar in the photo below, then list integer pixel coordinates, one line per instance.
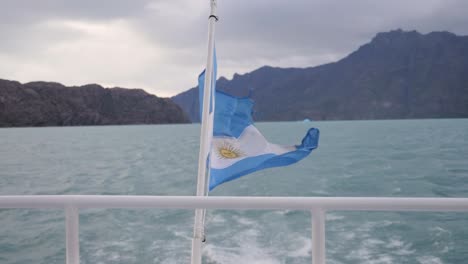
(225, 202)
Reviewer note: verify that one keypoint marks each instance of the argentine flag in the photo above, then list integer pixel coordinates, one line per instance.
(238, 148)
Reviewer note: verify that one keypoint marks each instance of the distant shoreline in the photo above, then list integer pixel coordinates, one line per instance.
(42, 104)
(257, 122)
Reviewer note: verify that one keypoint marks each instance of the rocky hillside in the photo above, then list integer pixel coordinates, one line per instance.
(399, 74)
(52, 104)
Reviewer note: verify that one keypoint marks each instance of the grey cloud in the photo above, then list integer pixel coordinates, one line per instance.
(306, 27)
(30, 11)
(21, 20)
(250, 33)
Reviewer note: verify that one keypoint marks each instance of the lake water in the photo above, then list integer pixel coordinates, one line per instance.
(396, 158)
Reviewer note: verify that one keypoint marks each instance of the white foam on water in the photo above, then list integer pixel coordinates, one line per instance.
(371, 250)
(321, 193)
(366, 248)
(244, 221)
(170, 251)
(439, 230)
(283, 212)
(304, 250)
(443, 239)
(445, 249)
(399, 247)
(170, 261)
(383, 223)
(182, 234)
(216, 218)
(248, 252)
(372, 242)
(395, 243)
(429, 260)
(333, 217)
(111, 252)
(366, 253)
(349, 235)
(333, 261)
(242, 247)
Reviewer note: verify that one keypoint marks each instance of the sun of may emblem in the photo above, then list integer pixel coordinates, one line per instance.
(226, 150)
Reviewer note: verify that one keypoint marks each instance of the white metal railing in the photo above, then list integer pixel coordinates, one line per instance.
(318, 206)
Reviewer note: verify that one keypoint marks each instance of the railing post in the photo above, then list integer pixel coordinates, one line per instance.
(72, 235)
(318, 236)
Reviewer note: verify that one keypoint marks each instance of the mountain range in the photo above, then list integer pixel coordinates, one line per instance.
(397, 75)
(53, 104)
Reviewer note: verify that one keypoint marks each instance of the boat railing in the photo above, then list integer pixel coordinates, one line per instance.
(318, 206)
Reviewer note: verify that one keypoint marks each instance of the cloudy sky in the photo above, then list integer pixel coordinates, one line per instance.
(160, 45)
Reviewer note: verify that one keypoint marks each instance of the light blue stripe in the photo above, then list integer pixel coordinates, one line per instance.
(232, 115)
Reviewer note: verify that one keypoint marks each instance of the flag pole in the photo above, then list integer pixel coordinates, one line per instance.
(205, 141)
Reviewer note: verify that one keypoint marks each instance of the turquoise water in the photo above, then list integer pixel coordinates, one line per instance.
(415, 158)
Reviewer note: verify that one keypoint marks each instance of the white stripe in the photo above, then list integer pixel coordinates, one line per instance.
(250, 143)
